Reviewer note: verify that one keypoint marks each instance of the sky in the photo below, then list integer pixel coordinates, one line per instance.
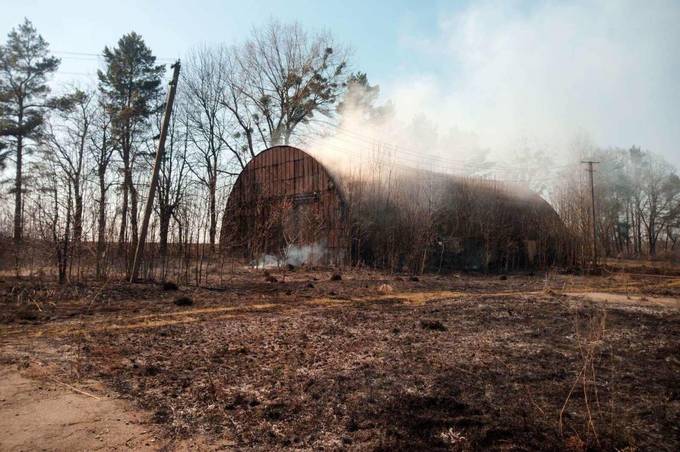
(497, 74)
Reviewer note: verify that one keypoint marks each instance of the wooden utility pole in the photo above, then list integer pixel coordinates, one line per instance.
(160, 151)
(590, 171)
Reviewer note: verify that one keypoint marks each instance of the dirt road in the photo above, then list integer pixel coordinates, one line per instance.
(38, 413)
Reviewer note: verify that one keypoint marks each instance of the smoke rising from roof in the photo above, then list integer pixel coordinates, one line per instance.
(508, 73)
(503, 80)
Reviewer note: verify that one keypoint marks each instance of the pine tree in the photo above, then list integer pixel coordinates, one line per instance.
(359, 101)
(25, 65)
(130, 88)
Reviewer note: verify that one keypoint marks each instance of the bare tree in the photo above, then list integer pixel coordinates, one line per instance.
(210, 128)
(54, 209)
(67, 140)
(638, 198)
(172, 185)
(101, 149)
(278, 81)
(661, 199)
(288, 76)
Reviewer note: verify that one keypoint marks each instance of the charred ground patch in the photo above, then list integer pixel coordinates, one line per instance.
(517, 364)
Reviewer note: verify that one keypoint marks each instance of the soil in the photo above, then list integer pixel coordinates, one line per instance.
(36, 413)
(302, 361)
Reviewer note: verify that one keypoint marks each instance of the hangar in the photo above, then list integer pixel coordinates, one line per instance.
(289, 205)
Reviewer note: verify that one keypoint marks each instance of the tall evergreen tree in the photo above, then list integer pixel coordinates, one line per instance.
(130, 87)
(25, 65)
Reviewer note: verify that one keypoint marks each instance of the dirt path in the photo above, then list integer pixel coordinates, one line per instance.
(41, 414)
(630, 300)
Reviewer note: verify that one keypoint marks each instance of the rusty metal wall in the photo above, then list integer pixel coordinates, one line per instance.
(285, 181)
(285, 196)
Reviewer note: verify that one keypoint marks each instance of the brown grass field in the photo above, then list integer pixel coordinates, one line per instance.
(296, 360)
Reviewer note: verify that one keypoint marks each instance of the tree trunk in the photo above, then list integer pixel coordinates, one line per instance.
(101, 223)
(134, 209)
(163, 245)
(123, 220)
(18, 182)
(638, 232)
(77, 224)
(133, 226)
(65, 249)
(127, 187)
(651, 237)
(213, 212)
(62, 246)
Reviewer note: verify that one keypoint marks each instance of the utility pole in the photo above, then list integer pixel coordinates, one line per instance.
(160, 151)
(590, 171)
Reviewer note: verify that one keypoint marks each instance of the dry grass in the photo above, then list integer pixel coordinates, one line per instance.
(458, 362)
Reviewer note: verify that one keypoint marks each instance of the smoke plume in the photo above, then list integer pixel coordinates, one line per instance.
(518, 84)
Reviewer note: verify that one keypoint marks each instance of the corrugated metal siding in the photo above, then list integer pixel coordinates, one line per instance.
(486, 220)
(284, 179)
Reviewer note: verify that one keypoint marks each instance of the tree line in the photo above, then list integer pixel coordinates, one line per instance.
(637, 200)
(82, 157)
(91, 148)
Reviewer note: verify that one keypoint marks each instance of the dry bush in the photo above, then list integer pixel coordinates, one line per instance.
(592, 415)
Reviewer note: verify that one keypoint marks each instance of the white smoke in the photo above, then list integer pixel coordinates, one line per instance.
(311, 254)
(544, 72)
(499, 80)
(266, 261)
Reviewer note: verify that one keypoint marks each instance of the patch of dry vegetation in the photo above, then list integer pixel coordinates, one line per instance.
(486, 363)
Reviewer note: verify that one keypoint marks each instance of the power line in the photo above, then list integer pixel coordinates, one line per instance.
(64, 52)
(435, 169)
(93, 56)
(440, 160)
(375, 148)
(400, 149)
(361, 151)
(89, 74)
(417, 157)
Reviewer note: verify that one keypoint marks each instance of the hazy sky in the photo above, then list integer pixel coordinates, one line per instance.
(503, 72)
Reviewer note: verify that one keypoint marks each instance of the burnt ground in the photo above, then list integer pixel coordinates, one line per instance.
(372, 361)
